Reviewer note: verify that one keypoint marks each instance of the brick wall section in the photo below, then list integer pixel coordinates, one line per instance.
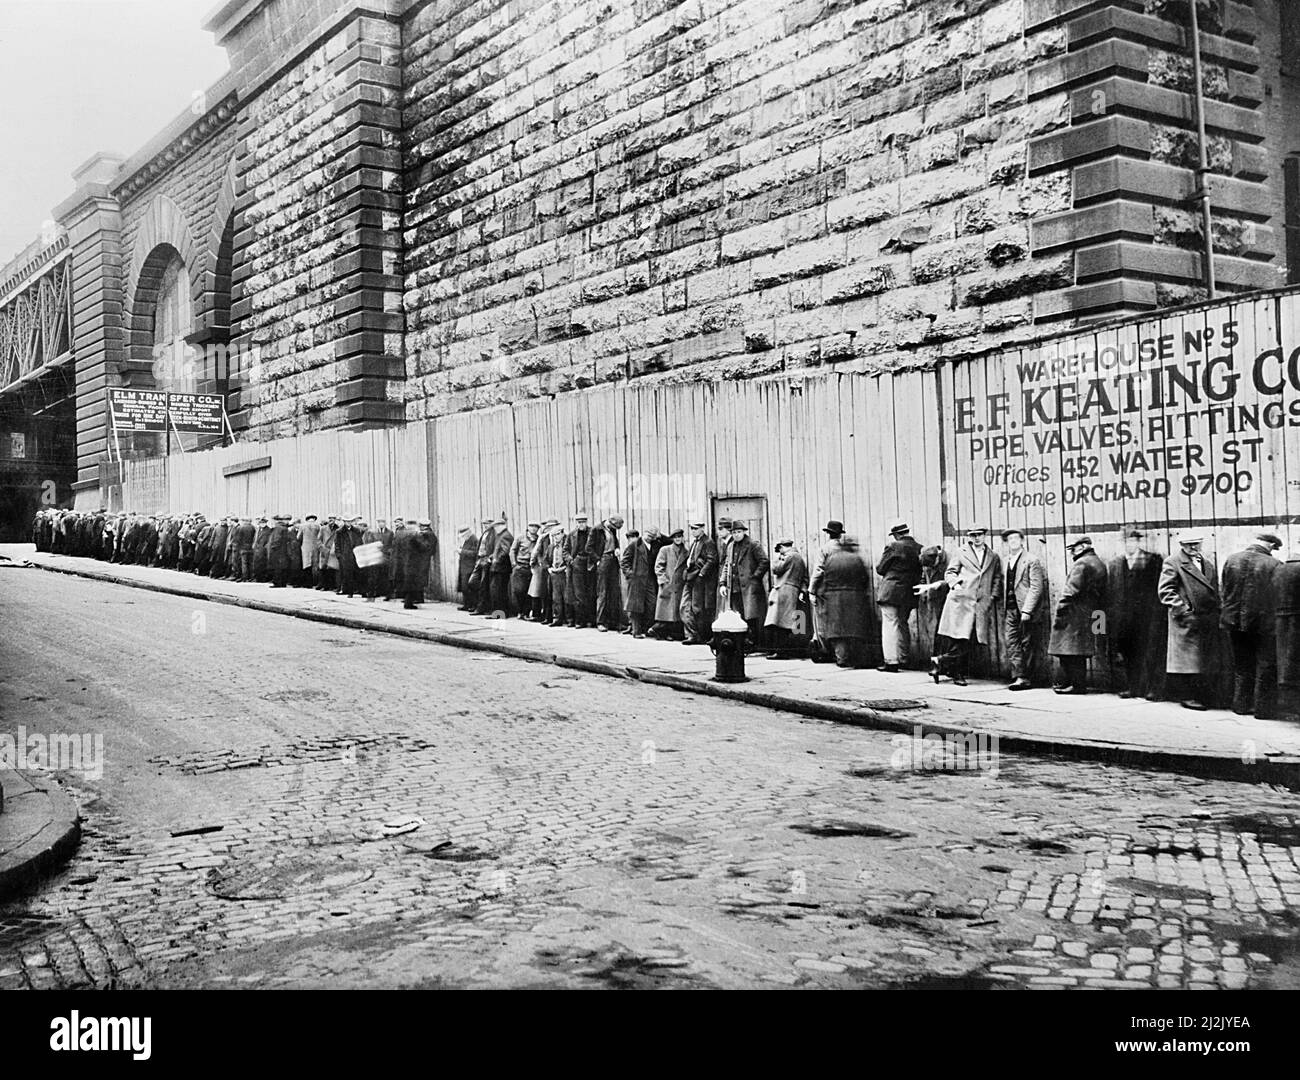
(716, 188)
(316, 285)
(1131, 154)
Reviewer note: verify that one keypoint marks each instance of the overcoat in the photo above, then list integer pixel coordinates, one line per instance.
(538, 561)
(310, 543)
(789, 580)
(1287, 584)
(465, 566)
(1026, 580)
(638, 577)
(900, 571)
(974, 587)
(415, 564)
(747, 577)
(1192, 598)
(842, 591)
(670, 572)
(1248, 590)
(277, 547)
(1083, 596)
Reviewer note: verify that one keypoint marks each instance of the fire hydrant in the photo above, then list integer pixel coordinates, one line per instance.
(728, 645)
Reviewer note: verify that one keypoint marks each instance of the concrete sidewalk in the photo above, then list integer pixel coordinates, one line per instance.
(1097, 727)
(39, 827)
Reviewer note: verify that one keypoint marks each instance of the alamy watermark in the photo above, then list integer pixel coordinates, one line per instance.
(973, 751)
(648, 493)
(76, 753)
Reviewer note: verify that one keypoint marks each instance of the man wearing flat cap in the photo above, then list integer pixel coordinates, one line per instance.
(670, 575)
(785, 607)
(521, 570)
(603, 552)
(1189, 589)
(1248, 614)
(1074, 629)
(481, 579)
(899, 569)
(580, 575)
(1135, 619)
(699, 589)
(974, 580)
(747, 565)
(1024, 608)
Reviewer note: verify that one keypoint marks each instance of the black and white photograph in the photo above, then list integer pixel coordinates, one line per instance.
(587, 495)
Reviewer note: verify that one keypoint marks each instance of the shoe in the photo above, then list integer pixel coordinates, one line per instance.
(1195, 706)
(603, 629)
(957, 680)
(934, 670)
(1071, 690)
(1124, 695)
(891, 669)
(773, 656)
(638, 636)
(1021, 684)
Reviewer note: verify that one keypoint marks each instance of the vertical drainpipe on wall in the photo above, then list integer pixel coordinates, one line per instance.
(1202, 172)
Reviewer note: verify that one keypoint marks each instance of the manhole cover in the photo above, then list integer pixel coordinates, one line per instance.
(289, 875)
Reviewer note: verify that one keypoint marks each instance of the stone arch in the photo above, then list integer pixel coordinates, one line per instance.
(218, 257)
(163, 232)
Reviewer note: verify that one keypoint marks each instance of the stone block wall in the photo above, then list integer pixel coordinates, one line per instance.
(703, 189)
(1131, 153)
(316, 283)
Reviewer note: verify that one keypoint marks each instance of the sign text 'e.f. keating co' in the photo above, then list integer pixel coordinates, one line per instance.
(152, 410)
(1182, 407)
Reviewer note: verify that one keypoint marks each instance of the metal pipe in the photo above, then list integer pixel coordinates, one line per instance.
(1202, 172)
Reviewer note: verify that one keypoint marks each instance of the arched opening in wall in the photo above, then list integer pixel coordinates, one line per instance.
(175, 365)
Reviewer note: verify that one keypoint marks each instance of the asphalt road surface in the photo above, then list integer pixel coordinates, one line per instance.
(580, 831)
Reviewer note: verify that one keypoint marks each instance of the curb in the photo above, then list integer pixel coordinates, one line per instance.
(1282, 771)
(56, 822)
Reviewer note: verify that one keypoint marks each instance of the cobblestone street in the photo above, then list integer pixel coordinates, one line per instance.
(578, 831)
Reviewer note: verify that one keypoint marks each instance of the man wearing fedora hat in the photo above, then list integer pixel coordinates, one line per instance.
(974, 580)
(1074, 629)
(1135, 619)
(1248, 615)
(899, 569)
(1189, 590)
(1024, 605)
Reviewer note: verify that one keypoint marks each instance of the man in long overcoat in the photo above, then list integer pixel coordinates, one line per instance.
(1286, 585)
(1189, 589)
(700, 584)
(260, 540)
(310, 531)
(464, 567)
(747, 567)
(1074, 629)
(1248, 614)
(1024, 608)
(974, 580)
(500, 569)
(1136, 619)
(899, 569)
(670, 574)
(841, 589)
(277, 552)
(637, 566)
(557, 572)
(419, 545)
(580, 581)
(785, 607)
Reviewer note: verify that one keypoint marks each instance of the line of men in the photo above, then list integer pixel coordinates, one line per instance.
(646, 584)
(284, 550)
(1164, 618)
